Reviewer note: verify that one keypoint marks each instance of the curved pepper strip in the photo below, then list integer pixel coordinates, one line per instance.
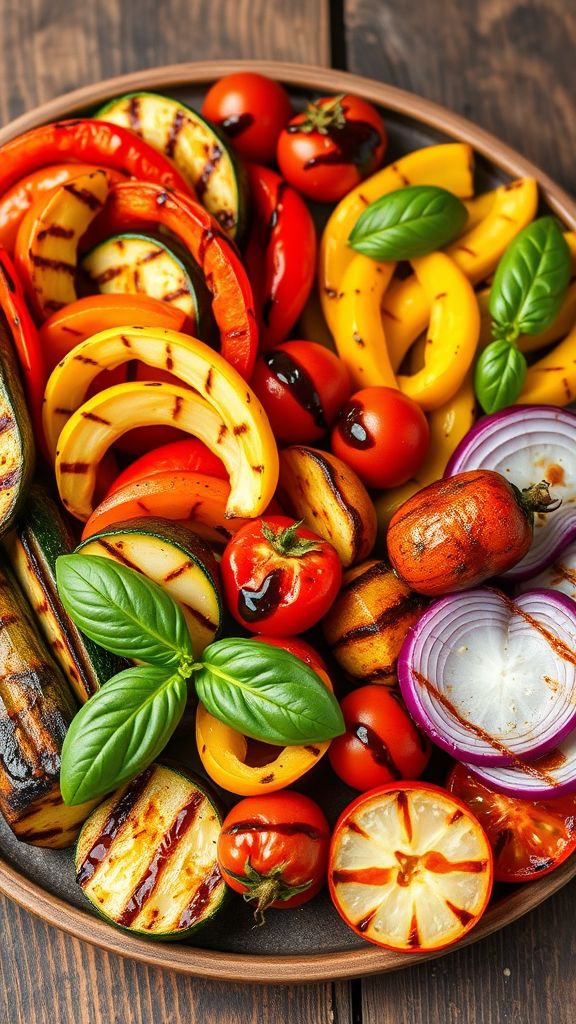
(225, 754)
(24, 337)
(88, 142)
(281, 253)
(135, 205)
(552, 380)
(359, 333)
(448, 425)
(476, 253)
(453, 331)
(245, 440)
(450, 166)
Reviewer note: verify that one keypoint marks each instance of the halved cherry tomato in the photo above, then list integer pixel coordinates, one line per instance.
(251, 110)
(381, 743)
(529, 838)
(337, 142)
(410, 867)
(302, 386)
(383, 435)
(273, 849)
(190, 456)
(279, 577)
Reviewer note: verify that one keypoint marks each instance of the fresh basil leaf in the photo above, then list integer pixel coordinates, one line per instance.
(266, 693)
(410, 222)
(531, 280)
(120, 731)
(499, 375)
(122, 610)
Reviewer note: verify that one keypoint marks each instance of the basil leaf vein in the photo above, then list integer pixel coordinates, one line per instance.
(408, 223)
(499, 375)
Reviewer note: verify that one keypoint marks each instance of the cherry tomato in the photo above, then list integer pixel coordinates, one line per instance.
(279, 577)
(383, 435)
(410, 867)
(337, 142)
(251, 110)
(529, 838)
(381, 742)
(300, 649)
(274, 850)
(190, 456)
(302, 386)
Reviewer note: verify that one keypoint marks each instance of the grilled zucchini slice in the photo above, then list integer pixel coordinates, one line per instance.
(35, 708)
(198, 150)
(135, 264)
(174, 557)
(146, 857)
(32, 549)
(16, 439)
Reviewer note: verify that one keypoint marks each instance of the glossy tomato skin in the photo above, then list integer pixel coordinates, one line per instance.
(383, 435)
(251, 110)
(283, 835)
(189, 455)
(327, 150)
(529, 838)
(302, 386)
(381, 743)
(278, 588)
(300, 649)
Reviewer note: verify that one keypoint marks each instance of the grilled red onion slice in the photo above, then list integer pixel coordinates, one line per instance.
(491, 679)
(527, 444)
(561, 575)
(551, 775)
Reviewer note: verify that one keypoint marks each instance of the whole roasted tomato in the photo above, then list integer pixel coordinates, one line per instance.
(189, 455)
(336, 143)
(279, 577)
(381, 743)
(302, 386)
(251, 110)
(274, 849)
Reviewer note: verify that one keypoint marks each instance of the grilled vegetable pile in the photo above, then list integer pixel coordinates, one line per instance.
(223, 427)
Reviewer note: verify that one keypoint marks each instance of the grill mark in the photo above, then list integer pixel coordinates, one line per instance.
(315, 751)
(8, 620)
(401, 175)
(117, 817)
(176, 294)
(210, 166)
(118, 555)
(200, 899)
(353, 826)
(9, 479)
(404, 811)
(74, 467)
(376, 746)
(61, 411)
(84, 195)
(364, 876)
(94, 418)
(240, 428)
(364, 922)
(413, 936)
(6, 423)
(107, 275)
(408, 603)
(565, 572)
(464, 248)
(455, 816)
(281, 828)
(55, 231)
(86, 360)
(464, 916)
(201, 619)
(440, 865)
(208, 381)
(125, 341)
(169, 359)
(176, 127)
(134, 113)
(48, 264)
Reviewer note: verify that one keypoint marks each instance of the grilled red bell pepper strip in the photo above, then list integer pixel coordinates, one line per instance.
(24, 336)
(281, 253)
(16, 202)
(138, 205)
(90, 142)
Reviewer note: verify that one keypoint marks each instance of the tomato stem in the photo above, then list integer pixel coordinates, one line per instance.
(322, 117)
(266, 889)
(537, 498)
(286, 541)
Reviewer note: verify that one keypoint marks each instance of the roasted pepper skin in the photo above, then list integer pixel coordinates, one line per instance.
(280, 255)
(24, 337)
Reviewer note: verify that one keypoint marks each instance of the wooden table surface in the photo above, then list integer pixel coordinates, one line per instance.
(507, 64)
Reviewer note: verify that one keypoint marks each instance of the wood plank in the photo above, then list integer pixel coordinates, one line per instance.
(506, 64)
(48, 47)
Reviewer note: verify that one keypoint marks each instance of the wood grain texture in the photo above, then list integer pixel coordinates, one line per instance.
(506, 64)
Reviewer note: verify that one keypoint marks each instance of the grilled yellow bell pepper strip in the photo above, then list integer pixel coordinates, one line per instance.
(478, 208)
(405, 310)
(448, 425)
(450, 166)
(224, 753)
(359, 333)
(246, 443)
(453, 332)
(552, 380)
(47, 241)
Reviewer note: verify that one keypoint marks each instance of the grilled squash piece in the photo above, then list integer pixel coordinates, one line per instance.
(175, 558)
(146, 857)
(200, 153)
(40, 537)
(16, 440)
(35, 709)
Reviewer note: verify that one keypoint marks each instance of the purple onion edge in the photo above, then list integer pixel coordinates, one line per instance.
(563, 789)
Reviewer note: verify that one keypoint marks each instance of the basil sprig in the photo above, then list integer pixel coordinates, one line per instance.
(528, 290)
(260, 690)
(410, 222)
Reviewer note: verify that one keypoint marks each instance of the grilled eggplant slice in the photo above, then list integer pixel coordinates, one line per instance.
(32, 548)
(16, 439)
(35, 708)
(199, 151)
(146, 857)
(174, 557)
